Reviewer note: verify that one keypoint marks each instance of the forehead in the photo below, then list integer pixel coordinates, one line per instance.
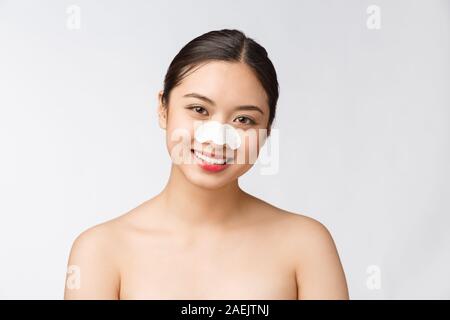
(226, 83)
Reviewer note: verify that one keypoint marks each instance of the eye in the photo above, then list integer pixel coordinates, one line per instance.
(198, 109)
(245, 120)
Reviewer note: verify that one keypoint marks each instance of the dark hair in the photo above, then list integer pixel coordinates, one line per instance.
(227, 45)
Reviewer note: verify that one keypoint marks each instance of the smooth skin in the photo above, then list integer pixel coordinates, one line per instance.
(202, 236)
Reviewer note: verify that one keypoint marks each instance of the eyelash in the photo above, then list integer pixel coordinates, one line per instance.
(251, 121)
(195, 107)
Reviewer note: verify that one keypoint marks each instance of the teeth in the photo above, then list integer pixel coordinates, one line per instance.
(208, 159)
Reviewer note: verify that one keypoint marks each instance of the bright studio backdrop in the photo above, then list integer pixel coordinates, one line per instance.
(363, 116)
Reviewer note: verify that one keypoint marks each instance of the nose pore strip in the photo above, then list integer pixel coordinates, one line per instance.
(218, 133)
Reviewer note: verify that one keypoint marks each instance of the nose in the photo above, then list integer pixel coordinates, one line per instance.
(218, 133)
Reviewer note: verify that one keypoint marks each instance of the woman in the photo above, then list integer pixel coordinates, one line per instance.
(202, 236)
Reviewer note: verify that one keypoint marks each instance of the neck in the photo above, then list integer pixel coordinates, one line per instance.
(189, 205)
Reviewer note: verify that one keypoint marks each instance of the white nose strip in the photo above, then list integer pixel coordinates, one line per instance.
(218, 133)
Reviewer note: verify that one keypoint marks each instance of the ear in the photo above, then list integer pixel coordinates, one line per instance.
(162, 112)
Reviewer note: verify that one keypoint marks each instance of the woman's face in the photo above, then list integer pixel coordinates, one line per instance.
(227, 88)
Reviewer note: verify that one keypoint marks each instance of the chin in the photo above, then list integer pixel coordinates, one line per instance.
(207, 181)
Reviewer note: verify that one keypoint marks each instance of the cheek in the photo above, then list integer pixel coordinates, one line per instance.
(252, 141)
(177, 119)
(179, 135)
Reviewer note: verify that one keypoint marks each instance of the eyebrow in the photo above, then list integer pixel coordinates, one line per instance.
(211, 102)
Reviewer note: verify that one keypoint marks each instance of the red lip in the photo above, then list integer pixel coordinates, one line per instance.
(213, 167)
(210, 167)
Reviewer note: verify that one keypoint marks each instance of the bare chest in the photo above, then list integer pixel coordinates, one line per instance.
(237, 269)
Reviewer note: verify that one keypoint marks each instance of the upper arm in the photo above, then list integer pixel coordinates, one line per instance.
(319, 272)
(91, 270)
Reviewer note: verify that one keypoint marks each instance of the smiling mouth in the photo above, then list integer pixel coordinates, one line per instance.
(207, 158)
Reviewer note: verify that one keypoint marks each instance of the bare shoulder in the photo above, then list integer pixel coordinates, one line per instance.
(102, 238)
(318, 269)
(302, 228)
(298, 226)
(99, 234)
(109, 234)
(92, 271)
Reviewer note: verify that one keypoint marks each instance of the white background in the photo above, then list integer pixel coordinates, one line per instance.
(363, 116)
